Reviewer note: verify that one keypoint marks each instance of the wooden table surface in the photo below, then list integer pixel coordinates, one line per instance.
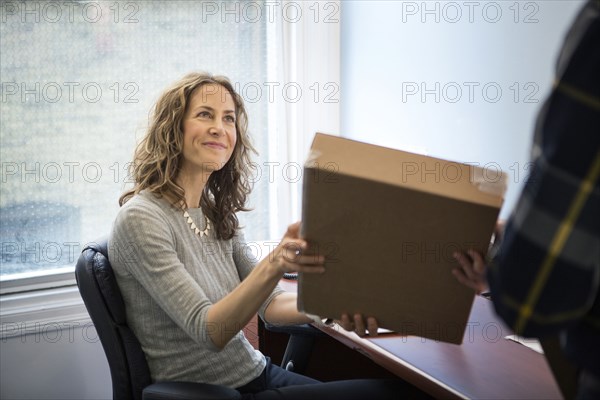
(485, 366)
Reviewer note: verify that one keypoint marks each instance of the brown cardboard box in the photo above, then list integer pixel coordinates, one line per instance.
(388, 223)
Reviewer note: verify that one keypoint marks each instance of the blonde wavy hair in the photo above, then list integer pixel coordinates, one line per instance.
(159, 156)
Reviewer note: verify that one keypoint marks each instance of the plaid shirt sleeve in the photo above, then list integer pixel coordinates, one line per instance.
(546, 275)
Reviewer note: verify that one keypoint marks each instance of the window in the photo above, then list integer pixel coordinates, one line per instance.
(79, 78)
(77, 85)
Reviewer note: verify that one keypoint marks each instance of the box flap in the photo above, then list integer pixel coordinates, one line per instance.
(471, 183)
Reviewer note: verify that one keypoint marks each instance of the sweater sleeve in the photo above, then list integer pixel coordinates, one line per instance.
(245, 261)
(144, 245)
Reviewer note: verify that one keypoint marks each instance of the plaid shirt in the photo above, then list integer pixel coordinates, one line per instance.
(546, 275)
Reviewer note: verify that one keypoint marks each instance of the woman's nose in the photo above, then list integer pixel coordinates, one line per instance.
(217, 129)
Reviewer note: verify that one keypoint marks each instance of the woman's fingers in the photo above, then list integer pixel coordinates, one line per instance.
(292, 250)
(373, 326)
(346, 323)
(359, 325)
(294, 255)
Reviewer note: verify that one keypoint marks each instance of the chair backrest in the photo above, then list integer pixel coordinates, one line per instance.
(96, 281)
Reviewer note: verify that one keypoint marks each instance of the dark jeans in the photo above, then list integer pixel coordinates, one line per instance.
(277, 383)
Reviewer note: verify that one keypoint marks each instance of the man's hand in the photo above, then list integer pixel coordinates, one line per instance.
(472, 270)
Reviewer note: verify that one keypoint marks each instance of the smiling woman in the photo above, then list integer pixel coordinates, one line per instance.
(197, 142)
(189, 290)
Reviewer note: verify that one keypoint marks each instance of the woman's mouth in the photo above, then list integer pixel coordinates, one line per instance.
(215, 145)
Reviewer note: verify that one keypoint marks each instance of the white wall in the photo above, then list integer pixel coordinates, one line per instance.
(51, 353)
(392, 51)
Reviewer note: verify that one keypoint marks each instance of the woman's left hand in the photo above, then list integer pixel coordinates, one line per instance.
(359, 325)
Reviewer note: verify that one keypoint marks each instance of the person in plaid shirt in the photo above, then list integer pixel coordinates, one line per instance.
(544, 272)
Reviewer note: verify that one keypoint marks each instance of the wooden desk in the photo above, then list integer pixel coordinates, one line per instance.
(485, 366)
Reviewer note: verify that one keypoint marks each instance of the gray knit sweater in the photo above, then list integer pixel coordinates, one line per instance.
(169, 277)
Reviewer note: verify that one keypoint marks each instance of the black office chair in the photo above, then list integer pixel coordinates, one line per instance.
(128, 367)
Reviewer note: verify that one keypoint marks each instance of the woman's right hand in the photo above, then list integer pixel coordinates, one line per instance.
(359, 324)
(294, 255)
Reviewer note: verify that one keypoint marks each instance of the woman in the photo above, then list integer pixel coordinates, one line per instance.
(179, 258)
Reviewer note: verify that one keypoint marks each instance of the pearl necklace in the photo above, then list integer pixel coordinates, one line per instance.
(193, 226)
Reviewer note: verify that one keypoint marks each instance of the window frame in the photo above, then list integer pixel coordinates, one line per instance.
(31, 281)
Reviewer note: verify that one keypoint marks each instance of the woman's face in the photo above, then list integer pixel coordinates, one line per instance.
(209, 132)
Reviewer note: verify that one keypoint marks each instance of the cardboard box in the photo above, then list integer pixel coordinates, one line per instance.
(388, 222)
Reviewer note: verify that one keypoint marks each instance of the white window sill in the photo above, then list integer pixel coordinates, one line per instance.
(31, 281)
(31, 303)
(41, 311)
(36, 303)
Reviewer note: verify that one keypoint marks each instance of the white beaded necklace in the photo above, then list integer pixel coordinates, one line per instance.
(193, 226)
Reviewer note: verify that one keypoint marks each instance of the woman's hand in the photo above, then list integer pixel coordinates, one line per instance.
(294, 255)
(472, 270)
(359, 325)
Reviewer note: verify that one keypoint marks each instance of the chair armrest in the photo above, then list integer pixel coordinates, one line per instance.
(300, 344)
(188, 391)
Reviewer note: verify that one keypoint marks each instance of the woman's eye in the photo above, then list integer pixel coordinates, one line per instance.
(230, 118)
(204, 114)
